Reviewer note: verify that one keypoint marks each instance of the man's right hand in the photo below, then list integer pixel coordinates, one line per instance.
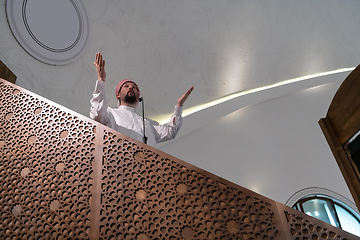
(100, 67)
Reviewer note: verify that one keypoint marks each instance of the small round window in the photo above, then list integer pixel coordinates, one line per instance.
(52, 31)
(330, 210)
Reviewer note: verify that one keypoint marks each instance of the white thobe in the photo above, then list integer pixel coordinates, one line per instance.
(124, 119)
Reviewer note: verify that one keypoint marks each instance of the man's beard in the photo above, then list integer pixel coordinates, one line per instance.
(130, 99)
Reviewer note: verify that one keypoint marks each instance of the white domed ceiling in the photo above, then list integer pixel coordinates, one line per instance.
(52, 31)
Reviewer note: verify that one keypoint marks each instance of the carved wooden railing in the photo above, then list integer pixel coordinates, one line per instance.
(65, 176)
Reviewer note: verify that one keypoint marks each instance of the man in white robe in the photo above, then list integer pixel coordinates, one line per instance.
(124, 119)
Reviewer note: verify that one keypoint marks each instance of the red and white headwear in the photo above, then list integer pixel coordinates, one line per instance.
(121, 83)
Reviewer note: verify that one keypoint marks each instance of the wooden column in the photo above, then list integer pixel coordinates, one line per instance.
(6, 74)
(341, 123)
(346, 165)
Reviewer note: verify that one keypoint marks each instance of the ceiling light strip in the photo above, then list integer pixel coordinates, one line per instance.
(200, 107)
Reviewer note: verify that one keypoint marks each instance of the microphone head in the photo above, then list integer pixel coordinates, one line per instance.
(140, 99)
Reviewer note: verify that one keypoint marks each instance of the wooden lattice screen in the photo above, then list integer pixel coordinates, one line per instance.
(65, 176)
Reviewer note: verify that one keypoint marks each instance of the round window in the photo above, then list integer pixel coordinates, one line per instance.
(326, 206)
(52, 31)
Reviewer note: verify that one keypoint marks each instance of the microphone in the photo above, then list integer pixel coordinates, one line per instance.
(141, 99)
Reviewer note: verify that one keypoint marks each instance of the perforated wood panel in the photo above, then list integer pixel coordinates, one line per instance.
(162, 198)
(64, 176)
(46, 169)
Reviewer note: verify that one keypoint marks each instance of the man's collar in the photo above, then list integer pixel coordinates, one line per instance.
(127, 108)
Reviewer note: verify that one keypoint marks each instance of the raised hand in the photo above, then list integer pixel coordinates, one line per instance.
(100, 67)
(183, 98)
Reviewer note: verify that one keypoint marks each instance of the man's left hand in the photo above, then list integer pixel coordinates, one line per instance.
(183, 98)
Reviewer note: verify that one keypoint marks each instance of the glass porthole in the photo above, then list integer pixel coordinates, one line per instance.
(52, 31)
(331, 211)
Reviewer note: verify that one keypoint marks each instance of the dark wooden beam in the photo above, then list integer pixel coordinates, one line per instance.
(6, 73)
(346, 165)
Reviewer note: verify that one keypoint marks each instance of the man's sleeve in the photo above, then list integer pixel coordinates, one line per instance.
(168, 131)
(99, 102)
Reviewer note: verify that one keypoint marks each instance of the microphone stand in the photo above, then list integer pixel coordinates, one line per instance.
(143, 117)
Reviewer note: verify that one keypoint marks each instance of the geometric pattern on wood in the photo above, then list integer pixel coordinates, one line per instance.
(146, 196)
(65, 176)
(45, 171)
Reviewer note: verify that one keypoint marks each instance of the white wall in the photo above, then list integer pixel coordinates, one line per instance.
(219, 46)
(275, 148)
